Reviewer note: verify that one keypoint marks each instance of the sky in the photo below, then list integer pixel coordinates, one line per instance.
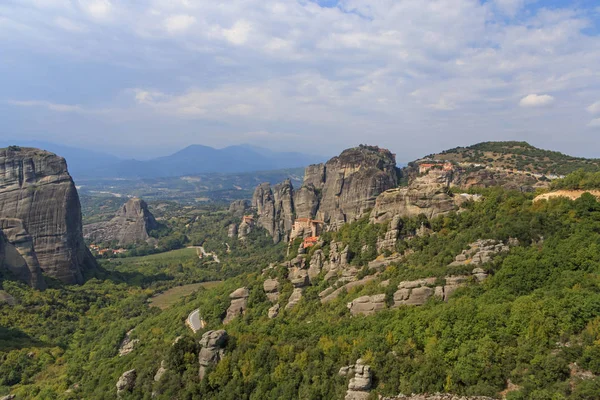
(143, 78)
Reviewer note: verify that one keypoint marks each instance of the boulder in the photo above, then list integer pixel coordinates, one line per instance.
(38, 199)
(212, 350)
(367, 305)
(360, 385)
(274, 311)
(294, 298)
(271, 288)
(239, 301)
(128, 344)
(161, 371)
(126, 382)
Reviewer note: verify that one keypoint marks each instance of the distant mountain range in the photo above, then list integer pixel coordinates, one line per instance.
(194, 159)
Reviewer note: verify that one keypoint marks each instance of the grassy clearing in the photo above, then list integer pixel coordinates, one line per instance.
(171, 296)
(173, 255)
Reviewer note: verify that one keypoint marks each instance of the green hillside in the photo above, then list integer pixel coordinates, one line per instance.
(519, 155)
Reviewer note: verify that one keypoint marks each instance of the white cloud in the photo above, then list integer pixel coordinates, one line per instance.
(99, 9)
(69, 25)
(594, 108)
(535, 100)
(239, 32)
(46, 104)
(179, 23)
(595, 123)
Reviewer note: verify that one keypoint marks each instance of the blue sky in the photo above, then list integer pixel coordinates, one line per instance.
(145, 78)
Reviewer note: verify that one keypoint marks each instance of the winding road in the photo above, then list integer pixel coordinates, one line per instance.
(194, 321)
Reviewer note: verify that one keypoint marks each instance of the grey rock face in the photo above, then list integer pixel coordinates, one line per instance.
(480, 252)
(367, 305)
(274, 311)
(425, 195)
(232, 231)
(360, 385)
(130, 225)
(126, 382)
(128, 344)
(275, 208)
(335, 192)
(271, 288)
(213, 350)
(18, 256)
(294, 298)
(38, 199)
(238, 207)
(161, 371)
(350, 182)
(239, 300)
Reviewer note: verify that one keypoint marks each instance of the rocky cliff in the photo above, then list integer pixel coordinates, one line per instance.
(348, 184)
(131, 225)
(275, 208)
(426, 195)
(40, 214)
(336, 192)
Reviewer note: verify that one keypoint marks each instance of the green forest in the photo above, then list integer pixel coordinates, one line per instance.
(535, 322)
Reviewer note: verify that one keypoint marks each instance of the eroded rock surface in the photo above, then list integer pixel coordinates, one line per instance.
(126, 382)
(426, 195)
(239, 300)
(480, 252)
(213, 350)
(271, 288)
(275, 208)
(128, 344)
(360, 384)
(39, 200)
(294, 298)
(367, 305)
(18, 256)
(131, 225)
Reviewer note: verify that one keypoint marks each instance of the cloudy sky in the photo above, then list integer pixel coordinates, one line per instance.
(147, 77)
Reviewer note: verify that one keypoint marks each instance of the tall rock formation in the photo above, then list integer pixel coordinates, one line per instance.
(426, 195)
(130, 225)
(275, 208)
(40, 214)
(349, 183)
(336, 192)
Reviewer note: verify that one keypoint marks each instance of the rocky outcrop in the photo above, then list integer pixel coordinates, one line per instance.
(294, 298)
(239, 301)
(336, 192)
(18, 257)
(367, 305)
(39, 206)
(488, 177)
(349, 183)
(232, 231)
(427, 195)
(275, 208)
(126, 382)
(274, 311)
(271, 288)
(480, 252)
(388, 242)
(238, 208)
(360, 384)
(128, 344)
(212, 350)
(161, 371)
(131, 225)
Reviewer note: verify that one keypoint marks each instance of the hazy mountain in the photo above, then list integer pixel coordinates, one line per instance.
(81, 162)
(194, 159)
